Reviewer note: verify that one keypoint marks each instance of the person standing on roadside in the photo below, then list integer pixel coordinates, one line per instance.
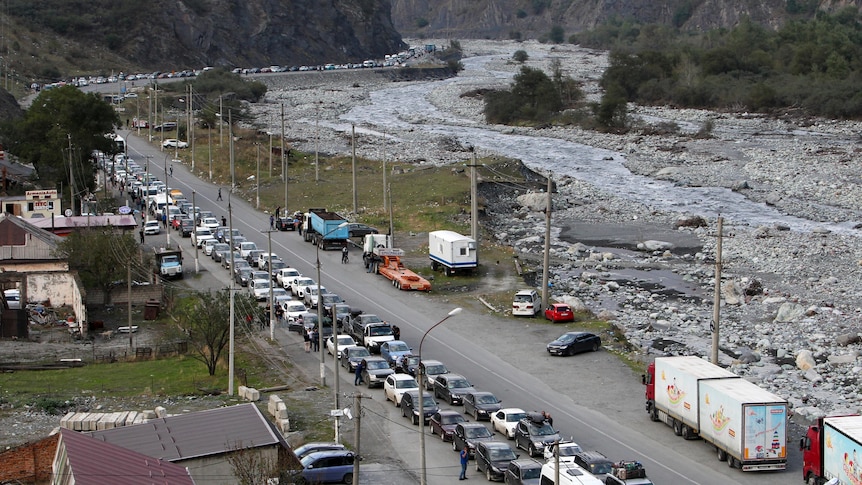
(271, 222)
(219, 194)
(307, 337)
(315, 340)
(142, 235)
(344, 256)
(358, 379)
(465, 458)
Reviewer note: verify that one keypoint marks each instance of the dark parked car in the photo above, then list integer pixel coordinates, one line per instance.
(492, 458)
(452, 388)
(533, 433)
(595, 463)
(253, 256)
(571, 343)
(407, 365)
(242, 275)
(468, 434)
(187, 227)
(525, 471)
(410, 408)
(333, 466)
(444, 422)
(481, 405)
(356, 229)
(375, 372)
(219, 252)
(285, 224)
(352, 356)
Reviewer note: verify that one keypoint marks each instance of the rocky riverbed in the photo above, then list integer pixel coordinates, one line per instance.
(791, 291)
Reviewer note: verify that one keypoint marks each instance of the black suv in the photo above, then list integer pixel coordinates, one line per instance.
(452, 388)
(595, 463)
(493, 457)
(466, 435)
(410, 405)
(533, 433)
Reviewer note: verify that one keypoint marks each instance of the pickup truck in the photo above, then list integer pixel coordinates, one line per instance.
(370, 331)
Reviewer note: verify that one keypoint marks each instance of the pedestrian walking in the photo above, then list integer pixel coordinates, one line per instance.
(171, 171)
(307, 338)
(224, 221)
(465, 458)
(219, 194)
(142, 235)
(344, 258)
(359, 367)
(396, 332)
(271, 222)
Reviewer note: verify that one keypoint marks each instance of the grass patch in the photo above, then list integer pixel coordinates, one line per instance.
(175, 376)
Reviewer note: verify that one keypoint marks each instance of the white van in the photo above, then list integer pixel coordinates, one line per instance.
(570, 474)
(13, 299)
(527, 303)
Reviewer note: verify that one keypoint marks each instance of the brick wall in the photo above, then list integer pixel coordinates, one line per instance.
(140, 295)
(29, 463)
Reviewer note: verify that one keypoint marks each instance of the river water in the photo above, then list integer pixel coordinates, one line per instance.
(407, 107)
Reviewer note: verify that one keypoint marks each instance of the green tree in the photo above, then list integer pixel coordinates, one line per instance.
(59, 118)
(557, 35)
(100, 256)
(520, 56)
(205, 318)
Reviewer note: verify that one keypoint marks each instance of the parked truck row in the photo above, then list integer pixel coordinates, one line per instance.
(746, 424)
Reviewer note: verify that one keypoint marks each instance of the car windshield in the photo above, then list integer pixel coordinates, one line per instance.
(500, 454)
(399, 347)
(523, 298)
(600, 468)
(566, 338)
(382, 330)
(406, 384)
(435, 369)
(377, 364)
(477, 432)
(486, 399)
(296, 307)
(452, 419)
(411, 361)
(458, 384)
(428, 401)
(359, 352)
(371, 319)
(345, 341)
(543, 430)
(528, 473)
(562, 309)
(569, 450)
(515, 417)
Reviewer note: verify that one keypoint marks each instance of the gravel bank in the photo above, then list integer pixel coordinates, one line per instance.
(785, 292)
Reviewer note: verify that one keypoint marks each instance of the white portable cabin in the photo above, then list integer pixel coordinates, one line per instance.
(452, 251)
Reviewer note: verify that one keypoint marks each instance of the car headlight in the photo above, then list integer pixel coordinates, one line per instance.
(538, 445)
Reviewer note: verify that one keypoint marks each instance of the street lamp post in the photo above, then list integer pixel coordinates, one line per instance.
(334, 332)
(423, 476)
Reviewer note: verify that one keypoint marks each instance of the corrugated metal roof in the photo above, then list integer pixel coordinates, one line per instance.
(93, 462)
(202, 433)
(13, 230)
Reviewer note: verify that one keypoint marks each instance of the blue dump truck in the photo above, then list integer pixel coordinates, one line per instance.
(327, 230)
(169, 263)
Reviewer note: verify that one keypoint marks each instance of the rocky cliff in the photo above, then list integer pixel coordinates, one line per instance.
(504, 19)
(180, 34)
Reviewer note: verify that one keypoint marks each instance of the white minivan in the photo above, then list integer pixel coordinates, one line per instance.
(526, 303)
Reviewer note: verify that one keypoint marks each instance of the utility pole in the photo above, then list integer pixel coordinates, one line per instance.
(353, 142)
(71, 178)
(129, 299)
(232, 291)
(165, 210)
(716, 311)
(270, 152)
(357, 406)
(230, 143)
(257, 180)
(271, 299)
(210, 143)
(220, 123)
(385, 202)
(317, 145)
(191, 132)
(195, 217)
(474, 201)
(546, 262)
(285, 160)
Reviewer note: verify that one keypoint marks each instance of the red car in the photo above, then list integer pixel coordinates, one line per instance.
(444, 422)
(560, 312)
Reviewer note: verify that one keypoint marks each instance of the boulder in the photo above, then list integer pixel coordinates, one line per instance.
(848, 338)
(690, 221)
(653, 245)
(575, 303)
(534, 201)
(789, 312)
(732, 293)
(805, 360)
(843, 359)
(813, 376)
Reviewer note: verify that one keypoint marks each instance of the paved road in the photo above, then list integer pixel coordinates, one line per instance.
(668, 459)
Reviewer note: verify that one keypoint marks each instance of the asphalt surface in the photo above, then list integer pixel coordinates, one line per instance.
(668, 459)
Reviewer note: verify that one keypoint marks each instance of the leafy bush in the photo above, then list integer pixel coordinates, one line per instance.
(557, 35)
(51, 406)
(520, 56)
(533, 98)
(421, 22)
(521, 13)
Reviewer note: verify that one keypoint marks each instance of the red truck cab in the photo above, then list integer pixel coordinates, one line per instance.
(649, 393)
(812, 460)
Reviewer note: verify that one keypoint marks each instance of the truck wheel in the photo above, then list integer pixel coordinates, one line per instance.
(722, 455)
(653, 413)
(687, 434)
(732, 462)
(435, 265)
(677, 428)
(532, 450)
